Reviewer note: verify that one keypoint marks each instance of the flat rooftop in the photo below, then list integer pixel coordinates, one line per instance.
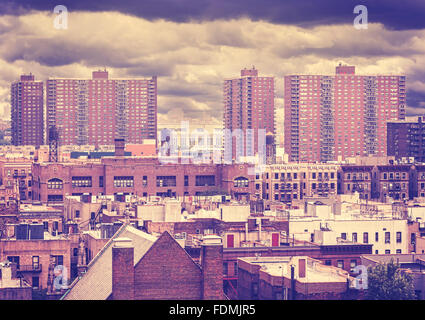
(315, 270)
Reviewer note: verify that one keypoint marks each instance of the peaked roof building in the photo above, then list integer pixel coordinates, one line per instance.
(135, 265)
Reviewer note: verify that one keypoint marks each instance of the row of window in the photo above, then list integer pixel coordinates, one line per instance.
(387, 237)
(295, 175)
(128, 181)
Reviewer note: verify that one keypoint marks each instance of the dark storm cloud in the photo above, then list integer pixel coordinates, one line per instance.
(394, 14)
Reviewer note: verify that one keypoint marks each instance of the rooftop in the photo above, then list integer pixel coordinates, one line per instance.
(315, 271)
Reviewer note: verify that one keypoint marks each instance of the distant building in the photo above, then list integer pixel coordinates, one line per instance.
(248, 107)
(343, 115)
(405, 138)
(98, 110)
(27, 111)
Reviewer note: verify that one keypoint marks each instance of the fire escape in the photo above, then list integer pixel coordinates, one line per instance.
(323, 184)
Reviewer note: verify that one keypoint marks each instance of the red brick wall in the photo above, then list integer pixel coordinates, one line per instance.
(123, 273)
(166, 271)
(212, 271)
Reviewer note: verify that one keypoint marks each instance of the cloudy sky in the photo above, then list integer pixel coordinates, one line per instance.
(192, 45)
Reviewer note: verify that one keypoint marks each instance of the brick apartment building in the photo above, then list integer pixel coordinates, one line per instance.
(15, 180)
(356, 178)
(248, 107)
(405, 138)
(27, 111)
(393, 181)
(34, 256)
(341, 115)
(291, 182)
(134, 265)
(144, 177)
(98, 110)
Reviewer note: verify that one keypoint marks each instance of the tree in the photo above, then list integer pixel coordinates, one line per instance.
(386, 281)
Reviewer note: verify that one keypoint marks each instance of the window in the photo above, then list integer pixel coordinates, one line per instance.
(354, 237)
(398, 237)
(376, 236)
(14, 259)
(77, 213)
(123, 181)
(365, 237)
(344, 236)
(201, 181)
(166, 181)
(35, 282)
(57, 260)
(387, 237)
(54, 198)
(186, 181)
(35, 262)
(340, 264)
(387, 251)
(242, 182)
(225, 268)
(412, 238)
(353, 264)
(81, 182)
(101, 181)
(55, 183)
(398, 251)
(328, 262)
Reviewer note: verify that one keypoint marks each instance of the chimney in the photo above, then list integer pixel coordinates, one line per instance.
(212, 268)
(301, 268)
(119, 147)
(123, 269)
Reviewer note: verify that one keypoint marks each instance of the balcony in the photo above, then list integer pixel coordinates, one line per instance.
(29, 268)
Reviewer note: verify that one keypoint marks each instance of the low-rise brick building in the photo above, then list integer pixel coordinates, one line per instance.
(136, 265)
(141, 176)
(291, 278)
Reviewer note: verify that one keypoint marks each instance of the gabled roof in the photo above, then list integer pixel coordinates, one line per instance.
(96, 283)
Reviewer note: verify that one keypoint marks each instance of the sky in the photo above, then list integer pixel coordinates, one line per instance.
(193, 45)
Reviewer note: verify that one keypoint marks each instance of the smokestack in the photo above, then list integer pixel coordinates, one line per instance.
(119, 147)
(122, 269)
(212, 268)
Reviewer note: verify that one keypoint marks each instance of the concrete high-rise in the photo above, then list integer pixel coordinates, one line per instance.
(343, 115)
(97, 111)
(248, 108)
(27, 111)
